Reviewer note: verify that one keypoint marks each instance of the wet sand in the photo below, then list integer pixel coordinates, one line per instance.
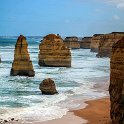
(97, 112)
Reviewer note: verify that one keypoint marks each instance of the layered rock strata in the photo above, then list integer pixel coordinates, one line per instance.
(22, 65)
(85, 43)
(53, 52)
(72, 42)
(48, 87)
(116, 88)
(106, 43)
(95, 42)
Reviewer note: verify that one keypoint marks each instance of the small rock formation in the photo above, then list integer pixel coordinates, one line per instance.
(53, 52)
(106, 43)
(85, 43)
(95, 42)
(48, 87)
(22, 65)
(116, 88)
(72, 42)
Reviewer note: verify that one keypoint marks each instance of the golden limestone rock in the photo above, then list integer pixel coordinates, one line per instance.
(48, 87)
(95, 42)
(53, 52)
(116, 88)
(85, 42)
(72, 42)
(22, 65)
(106, 43)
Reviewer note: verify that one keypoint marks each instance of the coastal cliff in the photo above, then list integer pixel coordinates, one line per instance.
(72, 42)
(53, 52)
(116, 88)
(22, 65)
(85, 43)
(106, 43)
(95, 42)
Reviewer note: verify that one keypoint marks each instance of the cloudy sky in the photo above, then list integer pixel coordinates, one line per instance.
(66, 17)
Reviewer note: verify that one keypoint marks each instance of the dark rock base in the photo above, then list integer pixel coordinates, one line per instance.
(56, 63)
(94, 50)
(30, 73)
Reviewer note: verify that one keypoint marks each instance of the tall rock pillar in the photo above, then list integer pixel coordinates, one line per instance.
(22, 65)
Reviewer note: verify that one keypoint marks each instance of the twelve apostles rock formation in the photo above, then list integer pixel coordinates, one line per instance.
(116, 88)
(85, 42)
(48, 87)
(53, 52)
(72, 42)
(22, 65)
(106, 43)
(95, 42)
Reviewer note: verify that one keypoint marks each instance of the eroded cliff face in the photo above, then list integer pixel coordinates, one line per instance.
(95, 42)
(106, 43)
(116, 88)
(53, 52)
(85, 43)
(72, 42)
(22, 65)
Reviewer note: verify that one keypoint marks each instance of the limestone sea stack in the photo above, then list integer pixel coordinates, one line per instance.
(95, 42)
(48, 87)
(53, 52)
(22, 65)
(106, 43)
(72, 42)
(85, 43)
(116, 88)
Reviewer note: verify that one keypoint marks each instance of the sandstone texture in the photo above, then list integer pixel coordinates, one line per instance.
(48, 87)
(53, 52)
(106, 43)
(22, 65)
(95, 42)
(85, 43)
(116, 88)
(72, 42)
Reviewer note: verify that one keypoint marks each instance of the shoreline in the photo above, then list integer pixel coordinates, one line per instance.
(96, 112)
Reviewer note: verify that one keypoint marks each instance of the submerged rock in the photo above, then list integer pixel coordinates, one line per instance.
(48, 87)
(72, 42)
(53, 52)
(106, 43)
(116, 88)
(85, 43)
(22, 65)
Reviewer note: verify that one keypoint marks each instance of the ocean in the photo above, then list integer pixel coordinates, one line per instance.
(21, 98)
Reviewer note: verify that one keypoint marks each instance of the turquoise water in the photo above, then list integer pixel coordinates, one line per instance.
(21, 98)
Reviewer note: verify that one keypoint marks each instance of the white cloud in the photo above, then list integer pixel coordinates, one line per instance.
(116, 17)
(118, 3)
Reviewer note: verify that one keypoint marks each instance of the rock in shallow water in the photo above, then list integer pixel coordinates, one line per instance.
(22, 65)
(48, 87)
(116, 88)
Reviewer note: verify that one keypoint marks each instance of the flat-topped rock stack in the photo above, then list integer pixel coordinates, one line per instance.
(95, 42)
(106, 43)
(22, 65)
(53, 52)
(85, 43)
(116, 88)
(72, 42)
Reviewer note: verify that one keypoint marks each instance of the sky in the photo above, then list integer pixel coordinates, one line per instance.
(64, 17)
